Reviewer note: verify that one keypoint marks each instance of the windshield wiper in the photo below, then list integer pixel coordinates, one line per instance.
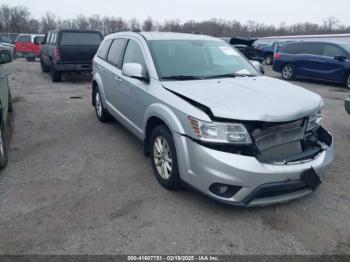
(181, 77)
(229, 75)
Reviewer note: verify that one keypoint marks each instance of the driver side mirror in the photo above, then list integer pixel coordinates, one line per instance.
(5, 57)
(258, 66)
(135, 70)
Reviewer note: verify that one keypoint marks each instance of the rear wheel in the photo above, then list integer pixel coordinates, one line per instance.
(44, 67)
(163, 158)
(269, 60)
(3, 148)
(288, 72)
(56, 76)
(101, 112)
(347, 82)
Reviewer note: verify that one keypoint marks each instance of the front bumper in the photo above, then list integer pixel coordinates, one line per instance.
(202, 167)
(347, 105)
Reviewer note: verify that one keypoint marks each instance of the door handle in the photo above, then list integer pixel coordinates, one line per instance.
(118, 79)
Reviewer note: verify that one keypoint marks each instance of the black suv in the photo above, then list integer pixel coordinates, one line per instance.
(68, 51)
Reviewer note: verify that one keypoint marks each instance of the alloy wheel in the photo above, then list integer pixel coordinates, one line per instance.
(162, 157)
(98, 104)
(2, 146)
(287, 72)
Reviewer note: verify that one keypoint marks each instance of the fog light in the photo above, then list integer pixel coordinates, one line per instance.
(222, 190)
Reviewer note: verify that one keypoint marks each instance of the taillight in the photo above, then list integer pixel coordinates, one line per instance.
(57, 54)
(277, 56)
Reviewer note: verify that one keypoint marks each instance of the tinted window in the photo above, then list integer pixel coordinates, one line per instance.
(104, 48)
(332, 51)
(312, 48)
(73, 38)
(5, 39)
(133, 54)
(290, 48)
(24, 38)
(115, 55)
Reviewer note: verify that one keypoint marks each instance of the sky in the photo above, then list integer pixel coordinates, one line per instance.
(264, 11)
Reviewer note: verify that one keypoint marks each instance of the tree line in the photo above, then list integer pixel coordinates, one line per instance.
(18, 19)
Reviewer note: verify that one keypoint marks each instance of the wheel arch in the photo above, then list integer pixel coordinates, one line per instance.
(97, 83)
(156, 115)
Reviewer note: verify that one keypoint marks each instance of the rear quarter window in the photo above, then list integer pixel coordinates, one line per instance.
(103, 50)
(77, 38)
(290, 49)
(24, 39)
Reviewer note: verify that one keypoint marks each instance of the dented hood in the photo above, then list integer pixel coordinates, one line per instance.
(246, 98)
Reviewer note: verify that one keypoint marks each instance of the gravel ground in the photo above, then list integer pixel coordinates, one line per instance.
(77, 186)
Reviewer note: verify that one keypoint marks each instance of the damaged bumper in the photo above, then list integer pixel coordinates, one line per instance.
(249, 181)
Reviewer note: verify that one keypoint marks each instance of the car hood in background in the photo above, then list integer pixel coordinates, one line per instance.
(250, 98)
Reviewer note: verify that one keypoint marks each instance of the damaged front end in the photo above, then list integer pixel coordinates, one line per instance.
(278, 143)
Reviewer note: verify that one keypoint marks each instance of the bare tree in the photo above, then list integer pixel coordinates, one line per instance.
(48, 22)
(149, 25)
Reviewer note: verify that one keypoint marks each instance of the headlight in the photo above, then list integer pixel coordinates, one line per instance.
(225, 133)
(315, 120)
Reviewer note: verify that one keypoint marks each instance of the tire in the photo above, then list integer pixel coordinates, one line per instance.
(10, 108)
(288, 72)
(56, 76)
(269, 60)
(44, 67)
(347, 82)
(101, 112)
(3, 148)
(30, 59)
(164, 159)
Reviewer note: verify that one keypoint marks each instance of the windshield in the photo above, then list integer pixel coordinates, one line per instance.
(192, 59)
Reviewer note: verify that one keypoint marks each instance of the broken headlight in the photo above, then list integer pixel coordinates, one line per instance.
(225, 133)
(314, 121)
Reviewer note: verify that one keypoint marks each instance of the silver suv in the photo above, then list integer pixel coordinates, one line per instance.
(209, 119)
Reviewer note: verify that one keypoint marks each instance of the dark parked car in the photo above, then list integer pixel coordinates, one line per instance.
(268, 52)
(5, 105)
(68, 51)
(316, 60)
(246, 48)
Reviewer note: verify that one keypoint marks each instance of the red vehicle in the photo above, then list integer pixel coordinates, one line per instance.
(25, 46)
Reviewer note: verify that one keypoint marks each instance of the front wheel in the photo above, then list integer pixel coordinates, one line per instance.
(3, 148)
(163, 158)
(288, 72)
(44, 67)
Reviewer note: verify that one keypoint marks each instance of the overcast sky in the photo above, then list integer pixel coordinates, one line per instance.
(266, 11)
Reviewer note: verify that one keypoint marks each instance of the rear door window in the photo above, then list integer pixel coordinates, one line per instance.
(24, 39)
(75, 38)
(333, 51)
(312, 48)
(103, 50)
(116, 52)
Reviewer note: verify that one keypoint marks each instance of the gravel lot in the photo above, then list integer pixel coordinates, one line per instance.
(77, 186)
